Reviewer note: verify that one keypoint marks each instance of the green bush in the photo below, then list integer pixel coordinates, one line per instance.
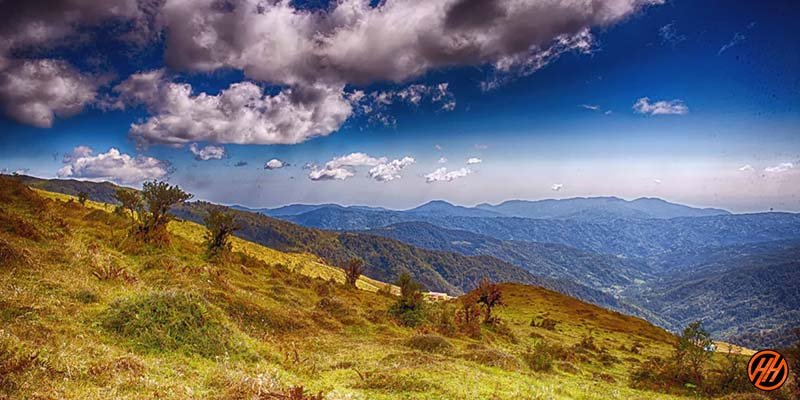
(538, 359)
(173, 321)
(429, 344)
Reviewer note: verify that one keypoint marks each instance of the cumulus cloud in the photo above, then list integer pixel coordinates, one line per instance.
(34, 92)
(206, 153)
(442, 175)
(782, 167)
(274, 164)
(25, 24)
(746, 168)
(556, 187)
(474, 160)
(390, 171)
(662, 107)
(241, 114)
(112, 165)
(356, 42)
(341, 168)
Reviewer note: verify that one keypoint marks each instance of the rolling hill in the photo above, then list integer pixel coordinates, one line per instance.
(542, 259)
(646, 267)
(745, 294)
(165, 322)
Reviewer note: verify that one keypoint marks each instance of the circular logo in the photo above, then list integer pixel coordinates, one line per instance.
(767, 370)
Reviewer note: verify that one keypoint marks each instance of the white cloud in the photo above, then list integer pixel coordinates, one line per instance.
(356, 42)
(442, 175)
(592, 107)
(274, 164)
(375, 104)
(442, 160)
(437, 147)
(782, 167)
(390, 171)
(662, 107)
(657, 181)
(34, 92)
(341, 168)
(112, 165)
(206, 153)
(241, 114)
(746, 168)
(474, 160)
(556, 187)
(481, 146)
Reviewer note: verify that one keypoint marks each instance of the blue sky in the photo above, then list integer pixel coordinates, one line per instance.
(720, 125)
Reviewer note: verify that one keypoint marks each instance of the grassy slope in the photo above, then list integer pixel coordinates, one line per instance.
(54, 307)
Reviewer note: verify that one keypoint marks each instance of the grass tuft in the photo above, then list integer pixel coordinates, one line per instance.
(174, 321)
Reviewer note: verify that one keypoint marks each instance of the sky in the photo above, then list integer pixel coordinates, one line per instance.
(399, 102)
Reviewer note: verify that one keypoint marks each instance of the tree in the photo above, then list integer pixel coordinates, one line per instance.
(468, 316)
(490, 296)
(159, 198)
(409, 307)
(82, 197)
(352, 271)
(221, 225)
(690, 351)
(129, 200)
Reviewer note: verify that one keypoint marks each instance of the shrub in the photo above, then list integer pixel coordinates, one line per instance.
(352, 271)
(173, 321)
(690, 351)
(729, 377)
(490, 296)
(129, 200)
(539, 359)
(409, 308)
(429, 343)
(159, 198)
(441, 317)
(467, 317)
(542, 356)
(221, 225)
(82, 197)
